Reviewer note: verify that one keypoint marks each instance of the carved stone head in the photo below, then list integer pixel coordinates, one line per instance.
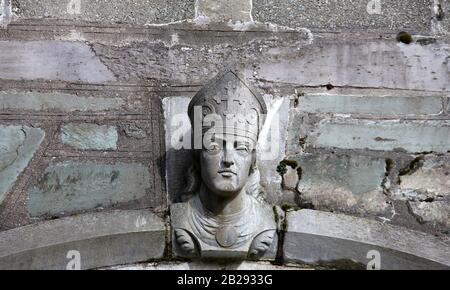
(229, 116)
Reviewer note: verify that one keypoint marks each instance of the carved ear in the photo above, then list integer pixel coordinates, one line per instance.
(186, 243)
(254, 187)
(192, 181)
(261, 244)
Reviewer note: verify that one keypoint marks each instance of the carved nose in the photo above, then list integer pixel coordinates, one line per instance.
(227, 159)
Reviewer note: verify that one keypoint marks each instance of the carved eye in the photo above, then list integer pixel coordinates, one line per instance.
(242, 148)
(213, 147)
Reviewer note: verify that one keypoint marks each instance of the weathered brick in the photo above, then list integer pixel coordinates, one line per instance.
(386, 135)
(89, 136)
(373, 105)
(106, 11)
(76, 186)
(347, 15)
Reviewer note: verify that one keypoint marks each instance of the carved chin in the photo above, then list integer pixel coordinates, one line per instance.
(230, 187)
(225, 187)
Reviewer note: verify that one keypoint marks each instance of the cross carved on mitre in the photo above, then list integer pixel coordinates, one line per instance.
(226, 99)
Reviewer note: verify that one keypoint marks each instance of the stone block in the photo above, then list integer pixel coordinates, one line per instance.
(372, 63)
(106, 11)
(373, 105)
(52, 60)
(435, 212)
(18, 144)
(178, 141)
(69, 187)
(86, 136)
(5, 13)
(314, 236)
(448, 105)
(224, 11)
(187, 54)
(430, 180)
(99, 240)
(347, 15)
(345, 183)
(444, 14)
(384, 135)
(55, 101)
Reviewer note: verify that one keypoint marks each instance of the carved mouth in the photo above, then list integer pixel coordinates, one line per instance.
(227, 172)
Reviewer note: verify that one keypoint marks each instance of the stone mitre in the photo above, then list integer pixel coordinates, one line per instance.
(240, 107)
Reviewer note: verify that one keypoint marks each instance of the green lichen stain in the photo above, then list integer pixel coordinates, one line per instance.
(404, 37)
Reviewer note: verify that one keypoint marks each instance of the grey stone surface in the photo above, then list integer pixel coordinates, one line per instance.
(448, 105)
(105, 11)
(187, 58)
(70, 186)
(178, 139)
(51, 60)
(18, 144)
(373, 105)
(444, 13)
(347, 15)
(343, 183)
(273, 144)
(5, 13)
(430, 181)
(223, 11)
(101, 239)
(87, 136)
(373, 63)
(436, 212)
(412, 136)
(133, 131)
(425, 186)
(314, 236)
(37, 101)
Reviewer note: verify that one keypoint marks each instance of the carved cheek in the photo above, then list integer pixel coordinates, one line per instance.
(211, 161)
(243, 163)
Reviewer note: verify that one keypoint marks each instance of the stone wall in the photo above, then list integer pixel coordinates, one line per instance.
(88, 90)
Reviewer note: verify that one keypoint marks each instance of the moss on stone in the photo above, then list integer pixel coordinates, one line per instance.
(404, 37)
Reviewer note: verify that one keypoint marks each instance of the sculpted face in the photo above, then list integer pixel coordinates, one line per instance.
(225, 164)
